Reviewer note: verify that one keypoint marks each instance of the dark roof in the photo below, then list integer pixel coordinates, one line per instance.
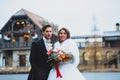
(35, 18)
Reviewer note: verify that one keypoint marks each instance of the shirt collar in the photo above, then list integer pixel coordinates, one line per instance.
(45, 40)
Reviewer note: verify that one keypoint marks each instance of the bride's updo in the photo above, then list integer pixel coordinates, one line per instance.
(67, 32)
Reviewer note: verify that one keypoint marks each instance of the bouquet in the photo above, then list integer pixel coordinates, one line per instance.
(56, 55)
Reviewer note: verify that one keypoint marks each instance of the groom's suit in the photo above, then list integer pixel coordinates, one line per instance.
(38, 60)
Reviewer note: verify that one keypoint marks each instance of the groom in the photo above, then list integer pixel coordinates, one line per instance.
(38, 56)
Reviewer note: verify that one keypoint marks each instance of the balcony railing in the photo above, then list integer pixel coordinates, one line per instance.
(16, 45)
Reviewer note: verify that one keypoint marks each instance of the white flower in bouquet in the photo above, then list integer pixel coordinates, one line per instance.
(49, 46)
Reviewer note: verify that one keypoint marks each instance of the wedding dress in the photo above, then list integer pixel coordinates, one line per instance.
(68, 70)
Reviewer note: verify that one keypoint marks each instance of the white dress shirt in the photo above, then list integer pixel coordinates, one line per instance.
(48, 43)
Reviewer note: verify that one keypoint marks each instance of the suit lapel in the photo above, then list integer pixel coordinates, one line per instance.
(42, 44)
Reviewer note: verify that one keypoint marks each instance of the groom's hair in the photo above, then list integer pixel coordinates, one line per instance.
(45, 27)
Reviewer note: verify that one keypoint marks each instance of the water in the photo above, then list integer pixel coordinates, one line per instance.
(87, 75)
(102, 75)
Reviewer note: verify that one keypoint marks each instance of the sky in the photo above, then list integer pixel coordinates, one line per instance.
(79, 16)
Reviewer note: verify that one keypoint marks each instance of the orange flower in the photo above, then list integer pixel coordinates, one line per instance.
(63, 56)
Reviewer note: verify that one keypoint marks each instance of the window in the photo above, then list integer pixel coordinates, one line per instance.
(22, 59)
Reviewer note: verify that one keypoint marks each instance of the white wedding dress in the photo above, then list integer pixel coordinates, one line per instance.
(68, 70)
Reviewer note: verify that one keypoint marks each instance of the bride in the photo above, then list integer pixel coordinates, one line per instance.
(68, 70)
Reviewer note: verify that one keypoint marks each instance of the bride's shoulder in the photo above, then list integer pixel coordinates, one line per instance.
(69, 40)
(56, 43)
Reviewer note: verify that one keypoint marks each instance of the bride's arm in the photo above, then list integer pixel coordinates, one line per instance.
(75, 52)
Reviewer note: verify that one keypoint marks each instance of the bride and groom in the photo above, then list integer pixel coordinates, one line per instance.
(40, 68)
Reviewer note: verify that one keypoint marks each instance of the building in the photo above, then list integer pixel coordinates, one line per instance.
(111, 41)
(17, 35)
(89, 46)
(99, 51)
